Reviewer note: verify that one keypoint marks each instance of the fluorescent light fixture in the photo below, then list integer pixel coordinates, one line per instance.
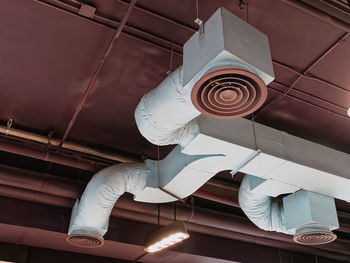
(349, 112)
(167, 236)
(1, 261)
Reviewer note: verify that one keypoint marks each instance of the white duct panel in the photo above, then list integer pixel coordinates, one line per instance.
(175, 176)
(230, 156)
(262, 165)
(186, 169)
(312, 179)
(283, 158)
(274, 188)
(187, 182)
(153, 195)
(316, 156)
(227, 37)
(183, 184)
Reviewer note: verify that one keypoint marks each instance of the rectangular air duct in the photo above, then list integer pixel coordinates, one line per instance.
(285, 162)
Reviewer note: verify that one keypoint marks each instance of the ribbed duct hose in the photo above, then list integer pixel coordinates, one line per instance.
(90, 216)
(265, 212)
(164, 115)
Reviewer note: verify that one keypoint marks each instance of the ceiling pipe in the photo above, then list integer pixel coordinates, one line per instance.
(217, 198)
(35, 196)
(134, 213)
(61, 192)
(46, 154)
(53, 186)
(318, 14)
(239, 232)
(52, 142)
(28, 195)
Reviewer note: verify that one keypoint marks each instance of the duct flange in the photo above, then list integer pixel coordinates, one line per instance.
(314, 235)
(229, 93)
(81, 239)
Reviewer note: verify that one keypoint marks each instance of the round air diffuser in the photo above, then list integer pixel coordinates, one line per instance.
(229, 93)
(84, 240)
(314, 236)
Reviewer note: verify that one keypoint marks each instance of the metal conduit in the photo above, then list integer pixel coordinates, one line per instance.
(115, 157)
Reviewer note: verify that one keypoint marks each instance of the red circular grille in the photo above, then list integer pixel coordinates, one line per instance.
(314, 238)
(85, 241)
(229, 93)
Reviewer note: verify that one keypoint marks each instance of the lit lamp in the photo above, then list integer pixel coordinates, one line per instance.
(166, 237)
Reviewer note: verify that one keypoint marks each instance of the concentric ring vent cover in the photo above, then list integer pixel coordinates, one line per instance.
(87, 241)
(314, 238)
(229, 93)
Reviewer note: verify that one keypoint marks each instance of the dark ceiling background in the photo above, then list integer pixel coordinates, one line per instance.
(49, 54)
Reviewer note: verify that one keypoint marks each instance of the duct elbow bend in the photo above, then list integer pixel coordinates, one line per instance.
(90, 216)
(165, 115)
(264, 211)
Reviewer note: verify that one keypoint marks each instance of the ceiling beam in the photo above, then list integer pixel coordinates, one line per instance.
(97, 72)
(170, 46)
(305, 71)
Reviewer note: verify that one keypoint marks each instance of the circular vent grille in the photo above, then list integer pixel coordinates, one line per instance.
(314, 238)
(86, 241)
(229, 93)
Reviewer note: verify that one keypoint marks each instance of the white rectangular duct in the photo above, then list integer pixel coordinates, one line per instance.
(287, 163)
(284, 159)
(165, 116)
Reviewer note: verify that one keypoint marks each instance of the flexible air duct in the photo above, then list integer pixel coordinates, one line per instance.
(224, 74)
(308, 216)
(90, 216)
(164, 115)
(264, 211)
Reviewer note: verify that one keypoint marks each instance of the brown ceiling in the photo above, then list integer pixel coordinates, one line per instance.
(49, 54)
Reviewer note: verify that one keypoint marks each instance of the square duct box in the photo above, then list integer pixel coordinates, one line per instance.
(312, 216)
(227, 37)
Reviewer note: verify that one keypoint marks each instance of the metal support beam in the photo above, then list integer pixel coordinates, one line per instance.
(318, 14)
(98, 70)
(146, 36)
(300, 76)
(40, 140)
